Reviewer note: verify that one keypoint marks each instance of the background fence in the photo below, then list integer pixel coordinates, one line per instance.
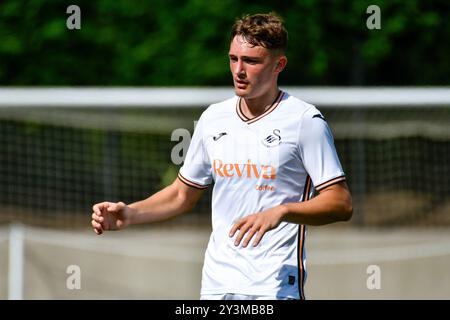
(61, 150)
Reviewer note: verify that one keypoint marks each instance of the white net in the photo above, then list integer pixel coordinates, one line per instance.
(61, 149)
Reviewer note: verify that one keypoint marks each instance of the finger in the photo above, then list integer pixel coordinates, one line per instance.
(97, 208)
(97, 217)
(96, 224)
(114, 207)
(241, 234)
(259, 236)
(236, 226)
(249, 236)
(97, 231)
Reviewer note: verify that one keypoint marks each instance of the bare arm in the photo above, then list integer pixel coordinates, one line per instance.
(171, 201)
(333, 204)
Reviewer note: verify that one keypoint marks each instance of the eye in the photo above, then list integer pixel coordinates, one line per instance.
(251, 61)
(232, 58)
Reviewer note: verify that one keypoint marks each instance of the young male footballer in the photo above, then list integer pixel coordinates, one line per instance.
(266, 152)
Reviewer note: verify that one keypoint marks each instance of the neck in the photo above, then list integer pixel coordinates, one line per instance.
(253, 107)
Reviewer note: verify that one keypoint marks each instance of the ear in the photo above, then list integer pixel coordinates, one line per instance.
(282, 62)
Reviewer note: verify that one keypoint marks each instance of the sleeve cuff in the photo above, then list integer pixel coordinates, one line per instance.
(191, 183)
(328, 183)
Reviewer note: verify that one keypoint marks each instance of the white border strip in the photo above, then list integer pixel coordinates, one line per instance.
(380, 254)
(16, 261)
(183, 252)
(374, 96)
(110, 97)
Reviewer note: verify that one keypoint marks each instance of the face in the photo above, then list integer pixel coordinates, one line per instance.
(254, 68)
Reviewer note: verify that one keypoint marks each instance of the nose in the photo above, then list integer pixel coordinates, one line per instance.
(239, 69)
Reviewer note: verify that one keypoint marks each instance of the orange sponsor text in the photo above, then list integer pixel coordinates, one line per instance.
(244, 170)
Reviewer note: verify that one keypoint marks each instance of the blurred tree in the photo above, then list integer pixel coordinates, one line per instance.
(167, 43)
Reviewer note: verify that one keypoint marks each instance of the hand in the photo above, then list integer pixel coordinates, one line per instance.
(257, 223)
(110, 216)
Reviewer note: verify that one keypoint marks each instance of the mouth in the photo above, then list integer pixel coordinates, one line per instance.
(240, 83)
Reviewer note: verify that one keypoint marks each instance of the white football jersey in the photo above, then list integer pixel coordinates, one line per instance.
(278, 157)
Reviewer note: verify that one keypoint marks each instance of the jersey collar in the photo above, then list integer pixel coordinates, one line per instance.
(248, 120)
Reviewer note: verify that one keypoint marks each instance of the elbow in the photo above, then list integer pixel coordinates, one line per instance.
(347, 210)
(344, 211)
(183, 203)
(347, 213)
(186, 203)
(190, 205)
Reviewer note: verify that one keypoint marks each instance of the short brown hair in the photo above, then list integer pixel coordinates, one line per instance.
(265, 30)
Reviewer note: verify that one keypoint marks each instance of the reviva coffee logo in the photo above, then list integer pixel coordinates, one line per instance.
(245, 170)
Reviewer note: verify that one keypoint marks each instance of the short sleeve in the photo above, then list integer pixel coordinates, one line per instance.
(196, 169)
(317, 150)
